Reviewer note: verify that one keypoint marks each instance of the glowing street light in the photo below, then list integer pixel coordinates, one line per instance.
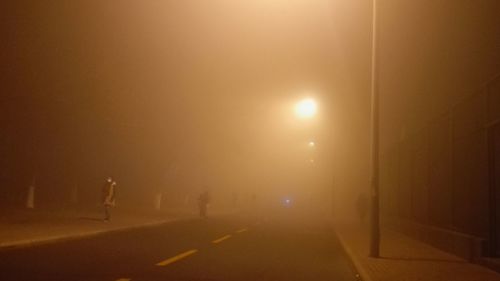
(306, 108)
(312, 144)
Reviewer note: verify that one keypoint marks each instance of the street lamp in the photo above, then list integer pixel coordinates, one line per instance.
(306, 108)
(311, 144)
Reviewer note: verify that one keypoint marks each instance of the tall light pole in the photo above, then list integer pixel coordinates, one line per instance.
(374, 177)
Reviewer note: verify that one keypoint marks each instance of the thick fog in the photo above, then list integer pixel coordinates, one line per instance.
(172, 97)
(177, 97)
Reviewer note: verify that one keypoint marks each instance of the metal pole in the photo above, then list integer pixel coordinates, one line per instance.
(374, 178)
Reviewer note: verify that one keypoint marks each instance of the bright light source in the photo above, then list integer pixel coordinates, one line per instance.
(312, 144)
(306, 108)
(287, 202)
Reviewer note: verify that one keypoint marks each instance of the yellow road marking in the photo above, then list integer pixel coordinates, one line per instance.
(221, 239)
(242, 230)
(176, 258)
(123, 279)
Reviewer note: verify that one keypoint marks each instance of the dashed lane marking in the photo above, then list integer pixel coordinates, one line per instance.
(176, 258)
(216, 241)
(242, 230)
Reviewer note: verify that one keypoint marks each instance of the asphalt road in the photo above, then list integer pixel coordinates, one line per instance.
(223, 248)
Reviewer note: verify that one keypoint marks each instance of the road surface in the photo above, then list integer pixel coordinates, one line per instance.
(223, 248)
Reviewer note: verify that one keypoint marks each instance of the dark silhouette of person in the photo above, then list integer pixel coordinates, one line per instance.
(108, 197)
(203, 202)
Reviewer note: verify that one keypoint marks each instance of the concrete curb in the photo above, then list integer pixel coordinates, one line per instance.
(355, 261)
(77, 236)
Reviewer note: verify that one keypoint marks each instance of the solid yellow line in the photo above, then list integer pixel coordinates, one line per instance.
(242, 230)
(176, 258)
(221, 239)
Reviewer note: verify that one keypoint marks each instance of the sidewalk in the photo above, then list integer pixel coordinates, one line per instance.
(22, 228)
(405, 259)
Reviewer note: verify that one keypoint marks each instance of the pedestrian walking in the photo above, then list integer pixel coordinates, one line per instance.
(108, 197)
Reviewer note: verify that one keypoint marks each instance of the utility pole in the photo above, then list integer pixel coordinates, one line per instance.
(374, 177)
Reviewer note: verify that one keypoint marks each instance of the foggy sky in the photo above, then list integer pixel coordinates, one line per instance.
(170, 94)
(187, 94)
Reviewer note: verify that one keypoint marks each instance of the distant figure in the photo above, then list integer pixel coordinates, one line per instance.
(362, 207)
(108, 197)
(203, 202)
